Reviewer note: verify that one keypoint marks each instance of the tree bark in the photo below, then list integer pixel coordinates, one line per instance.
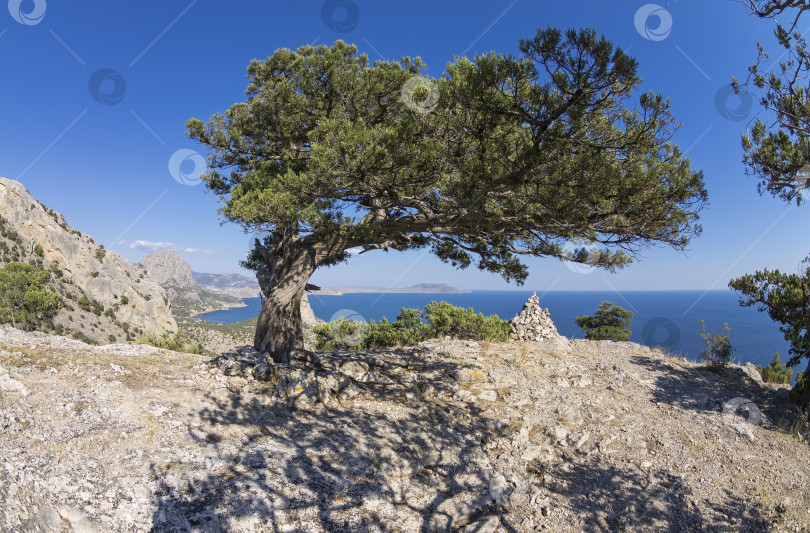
(279, 331)
(288, 265)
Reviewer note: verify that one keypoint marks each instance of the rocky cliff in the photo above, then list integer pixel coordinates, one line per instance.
(173, 274)
(107, 296)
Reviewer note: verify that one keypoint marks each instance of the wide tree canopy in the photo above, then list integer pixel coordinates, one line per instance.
(498, 158)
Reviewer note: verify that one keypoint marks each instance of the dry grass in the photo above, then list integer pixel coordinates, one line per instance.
(25, 356)
(522, 355)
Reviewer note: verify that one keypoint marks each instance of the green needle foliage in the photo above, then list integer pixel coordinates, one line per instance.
(412, 326)
(778, 153)
(175, 343)
(502, 156)
(25, 301)
(775, 372)
(777, 150)
(610, 322)
(718, 350)
(786, 299)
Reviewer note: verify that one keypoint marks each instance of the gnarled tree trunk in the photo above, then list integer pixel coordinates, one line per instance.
(288, 265)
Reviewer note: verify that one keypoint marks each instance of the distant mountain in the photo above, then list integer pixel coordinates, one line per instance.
(193, 293)
(186, 295)
(107, 298)
(421, 288)
(228, 284)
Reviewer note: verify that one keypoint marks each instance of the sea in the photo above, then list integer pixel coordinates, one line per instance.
(662, 318)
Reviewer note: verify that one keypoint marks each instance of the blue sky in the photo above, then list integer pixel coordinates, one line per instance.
(96, 144)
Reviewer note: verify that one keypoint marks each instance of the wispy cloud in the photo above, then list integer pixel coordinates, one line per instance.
(148, 245)
(151, 246)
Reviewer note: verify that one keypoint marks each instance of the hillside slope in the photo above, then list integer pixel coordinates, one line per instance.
(563, 436)
(122, 299)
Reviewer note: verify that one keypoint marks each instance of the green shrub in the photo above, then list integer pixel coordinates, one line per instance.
(84, 304)
(97, 308)
(39, 251)
(176, 343)
(610, 322)
(776, 372)
(445, 319)
(147, 297)
(111, 337)
(718, 350)
(408, 329)
(82, 337)
(800, 393)
(411, 327)
(124, 300)
(100, 253)
(55, 270)
(338, 334)
(24, 299)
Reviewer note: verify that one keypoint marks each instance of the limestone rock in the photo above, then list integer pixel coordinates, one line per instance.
(9, 384)
(533, 323)
(173, 274)
(86, 269)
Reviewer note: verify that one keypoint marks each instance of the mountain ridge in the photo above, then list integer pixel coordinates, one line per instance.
(106, 297)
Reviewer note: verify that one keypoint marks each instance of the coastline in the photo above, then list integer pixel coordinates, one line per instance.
(213, 309)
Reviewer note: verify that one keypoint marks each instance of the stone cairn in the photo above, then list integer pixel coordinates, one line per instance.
(533, 323)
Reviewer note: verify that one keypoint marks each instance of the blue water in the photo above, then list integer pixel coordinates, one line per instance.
(662, 318)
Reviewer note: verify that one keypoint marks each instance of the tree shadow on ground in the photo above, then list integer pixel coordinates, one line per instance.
(703, 389)
(610, 497)
(349, 466)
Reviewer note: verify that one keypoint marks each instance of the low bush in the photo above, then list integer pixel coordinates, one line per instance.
(412, 327)
(460, 323)
(718, 350)
(25, 300)
(776, 372)
(176, 343)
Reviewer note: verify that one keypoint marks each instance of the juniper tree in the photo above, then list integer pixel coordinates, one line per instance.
(778, 154)
(777, 149)
(609, 322)
(500, 157)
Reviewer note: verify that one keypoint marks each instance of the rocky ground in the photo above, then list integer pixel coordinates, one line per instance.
(553, 435)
